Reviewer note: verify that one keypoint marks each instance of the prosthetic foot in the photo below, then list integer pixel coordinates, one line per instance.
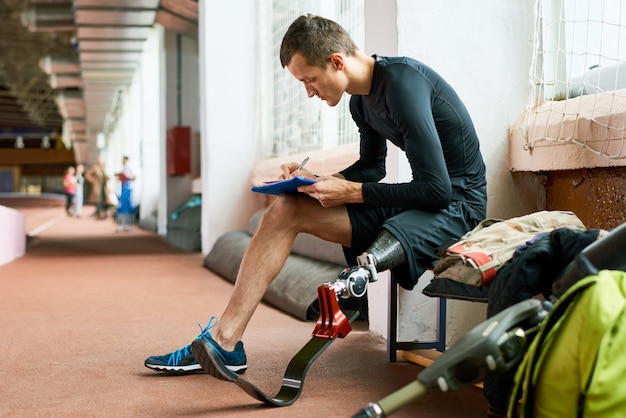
(386, 252)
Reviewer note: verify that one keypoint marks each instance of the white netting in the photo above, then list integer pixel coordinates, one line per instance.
(301, 124)
(578, 75)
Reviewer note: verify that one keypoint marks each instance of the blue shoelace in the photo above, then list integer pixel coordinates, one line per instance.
(185, 351)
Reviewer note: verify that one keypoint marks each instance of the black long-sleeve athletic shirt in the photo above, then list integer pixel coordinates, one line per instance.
(417, 110)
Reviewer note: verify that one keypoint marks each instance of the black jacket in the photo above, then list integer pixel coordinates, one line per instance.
(529, 273)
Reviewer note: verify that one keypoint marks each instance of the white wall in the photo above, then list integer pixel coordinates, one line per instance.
(182, 81)
(227, 44)
(140, 131)
(483, 48)
(153, 94)
(13, 237)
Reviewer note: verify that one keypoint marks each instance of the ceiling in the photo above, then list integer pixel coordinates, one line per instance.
(63, 62)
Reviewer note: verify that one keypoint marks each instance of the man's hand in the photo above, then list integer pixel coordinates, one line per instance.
(333, 191)
(289, 170)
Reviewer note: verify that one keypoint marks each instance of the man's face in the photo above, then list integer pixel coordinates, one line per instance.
(325, 83)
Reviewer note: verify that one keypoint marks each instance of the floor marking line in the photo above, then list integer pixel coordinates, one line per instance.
(45, 226)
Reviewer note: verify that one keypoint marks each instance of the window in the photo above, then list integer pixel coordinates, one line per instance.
(299, 124)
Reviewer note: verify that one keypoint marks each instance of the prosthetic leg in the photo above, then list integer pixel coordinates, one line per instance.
(386, 252)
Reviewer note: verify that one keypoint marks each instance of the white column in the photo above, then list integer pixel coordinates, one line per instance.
(150, 80)
(228, 63)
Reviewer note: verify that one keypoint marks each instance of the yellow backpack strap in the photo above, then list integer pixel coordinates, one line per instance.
(523, 392)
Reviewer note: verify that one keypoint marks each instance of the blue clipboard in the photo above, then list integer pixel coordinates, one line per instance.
(283, 186)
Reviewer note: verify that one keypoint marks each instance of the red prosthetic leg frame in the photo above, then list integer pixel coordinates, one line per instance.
(332, 321)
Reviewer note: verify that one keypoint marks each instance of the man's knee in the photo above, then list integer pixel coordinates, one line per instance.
(281, 213)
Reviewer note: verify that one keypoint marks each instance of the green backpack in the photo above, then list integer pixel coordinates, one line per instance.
(576, 364)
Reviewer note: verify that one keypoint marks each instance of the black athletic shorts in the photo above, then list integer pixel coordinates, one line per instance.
(420, 232)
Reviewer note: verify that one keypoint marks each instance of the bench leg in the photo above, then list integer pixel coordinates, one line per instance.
(393, 345)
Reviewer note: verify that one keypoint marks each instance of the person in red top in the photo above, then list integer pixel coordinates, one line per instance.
(69, 187)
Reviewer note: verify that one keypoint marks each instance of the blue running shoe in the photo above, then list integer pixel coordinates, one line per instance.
(218, 362)
(182, 361)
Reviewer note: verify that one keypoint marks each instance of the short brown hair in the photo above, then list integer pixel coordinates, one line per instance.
(316, 39)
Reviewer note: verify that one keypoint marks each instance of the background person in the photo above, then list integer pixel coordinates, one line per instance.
(99, 195)
(79, 196)
(69, 188)
(125, 213)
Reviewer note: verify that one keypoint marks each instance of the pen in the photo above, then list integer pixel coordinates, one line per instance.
(301, 166)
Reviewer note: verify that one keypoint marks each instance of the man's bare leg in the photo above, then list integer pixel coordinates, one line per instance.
(267, 252)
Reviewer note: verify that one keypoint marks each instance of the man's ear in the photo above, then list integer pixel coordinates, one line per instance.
(337, 61)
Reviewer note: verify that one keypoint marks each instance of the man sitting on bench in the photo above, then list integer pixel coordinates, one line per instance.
(395, 99)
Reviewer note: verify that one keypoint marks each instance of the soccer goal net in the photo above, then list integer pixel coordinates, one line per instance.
(578, 76)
